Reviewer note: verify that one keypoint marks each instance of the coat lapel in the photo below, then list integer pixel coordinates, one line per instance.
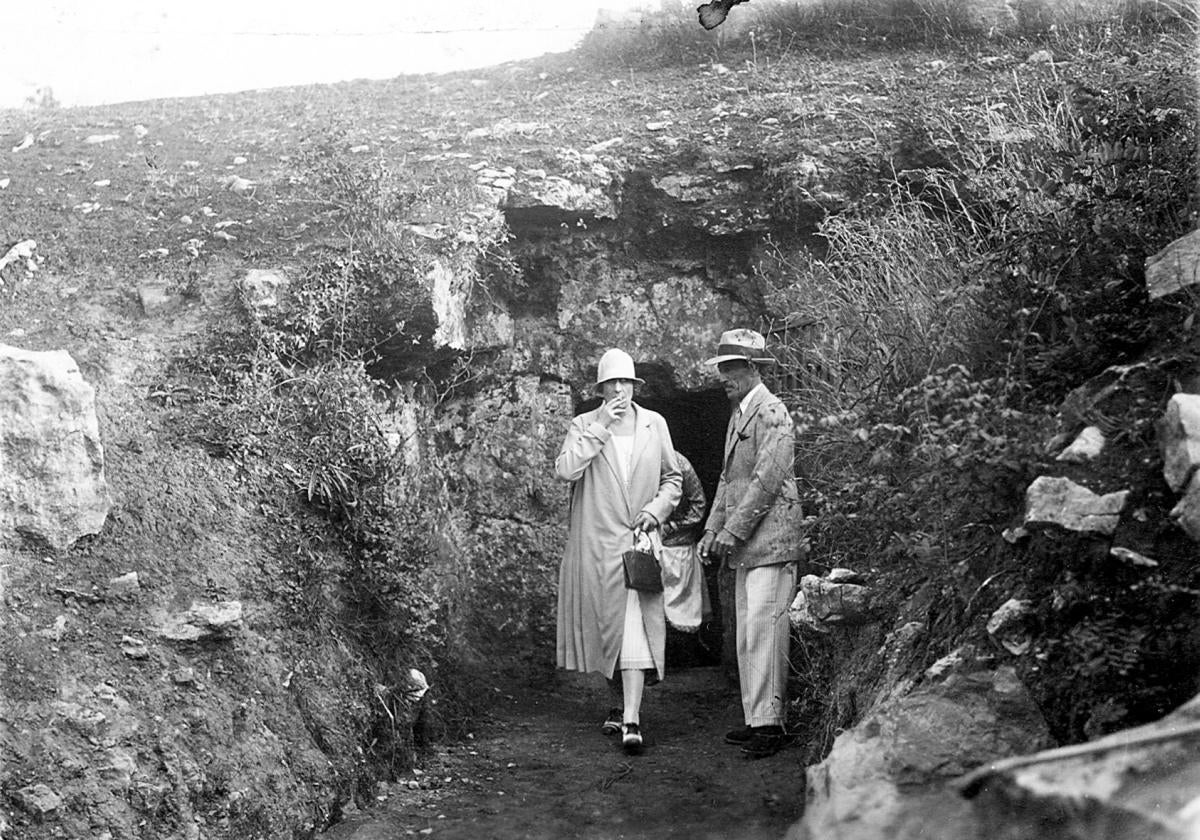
(738, 431)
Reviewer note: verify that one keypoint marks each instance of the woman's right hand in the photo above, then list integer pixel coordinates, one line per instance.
(613, 410)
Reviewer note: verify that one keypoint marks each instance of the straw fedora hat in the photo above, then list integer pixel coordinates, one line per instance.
(743, 346)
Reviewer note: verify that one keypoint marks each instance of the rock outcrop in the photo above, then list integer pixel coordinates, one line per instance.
(1140, 782)
(52, 485)
(889, 776)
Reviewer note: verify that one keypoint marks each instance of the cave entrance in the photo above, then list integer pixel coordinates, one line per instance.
(698, 421)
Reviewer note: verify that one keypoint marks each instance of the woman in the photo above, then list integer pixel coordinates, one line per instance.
(624, 480)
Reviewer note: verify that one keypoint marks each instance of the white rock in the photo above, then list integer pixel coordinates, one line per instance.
(24, 251)
(52, 485)
(203, 622)
(1060, 501)
(1186, 513)
(260, 288)
(1179, 439)
(1133, 558)
(1175, 267)
(140, 131)
(93, 139)
(1086, 447)
(1007, 625)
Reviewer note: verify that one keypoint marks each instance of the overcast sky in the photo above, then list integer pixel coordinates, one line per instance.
(98, 51)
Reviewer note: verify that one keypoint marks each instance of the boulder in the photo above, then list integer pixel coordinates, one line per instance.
(1060, 501)
(1141, 782)
(1175, 267)
(52, 486)
(822, 605)
(1179, 439)
(889, 777)
(1186, 513)
(38, 800)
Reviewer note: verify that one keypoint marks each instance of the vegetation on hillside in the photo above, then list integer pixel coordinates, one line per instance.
(988, 262)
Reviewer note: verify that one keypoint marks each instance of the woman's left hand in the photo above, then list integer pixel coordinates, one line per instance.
(644, 522)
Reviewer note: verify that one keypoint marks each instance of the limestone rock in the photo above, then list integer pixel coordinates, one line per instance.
(38, 800)
(1186, 512)
(714, 203)
(125, 584)
(260, 288)
(840, 575)
(1140, 782)
(52, 486)
(203, 622)
(1060, 501)
(1179, 439)
(887, 777)
(1175, 267)
(822, 604)
(1087, 446)
(1007, 625)
(448, 302)
(584, 186)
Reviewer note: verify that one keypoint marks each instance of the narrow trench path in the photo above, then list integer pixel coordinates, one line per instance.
(538, 767)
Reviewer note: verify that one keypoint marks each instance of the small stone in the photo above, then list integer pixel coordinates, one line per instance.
(1086, 447)
(124, 584)
(134, 648)
(1133, 558)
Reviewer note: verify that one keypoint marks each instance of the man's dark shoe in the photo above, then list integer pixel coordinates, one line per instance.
(765, 741)
(740, 736)
(612, 722)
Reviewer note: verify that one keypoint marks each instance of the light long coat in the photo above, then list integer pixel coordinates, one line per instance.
(756, 499)
(591, 580)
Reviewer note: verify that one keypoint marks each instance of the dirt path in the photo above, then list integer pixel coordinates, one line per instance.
(540, 768)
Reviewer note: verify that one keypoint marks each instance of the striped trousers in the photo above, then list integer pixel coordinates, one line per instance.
(763, 595)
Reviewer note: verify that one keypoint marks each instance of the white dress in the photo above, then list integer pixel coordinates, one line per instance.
(635, 645)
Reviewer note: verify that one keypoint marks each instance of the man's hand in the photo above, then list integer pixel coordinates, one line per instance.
(644, 522)
(723, 544)
(705, 547)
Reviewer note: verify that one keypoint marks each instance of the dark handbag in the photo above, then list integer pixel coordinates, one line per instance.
(641, 571)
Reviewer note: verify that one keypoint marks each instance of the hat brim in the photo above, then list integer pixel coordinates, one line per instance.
(631, 378)
(762, 360)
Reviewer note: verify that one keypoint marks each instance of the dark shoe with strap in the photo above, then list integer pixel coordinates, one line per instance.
(612, 722)
(765, 741)
(740, 736)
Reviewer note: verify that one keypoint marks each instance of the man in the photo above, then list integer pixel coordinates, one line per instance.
(754, 528)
